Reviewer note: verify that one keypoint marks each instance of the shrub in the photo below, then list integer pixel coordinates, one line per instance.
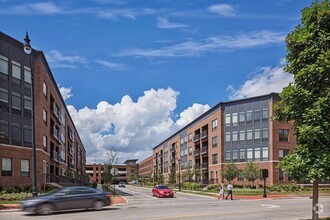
(14, 196)
(213, 187)
(27, 188)
(191, 186)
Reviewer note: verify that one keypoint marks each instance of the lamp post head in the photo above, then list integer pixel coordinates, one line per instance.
(27, 46)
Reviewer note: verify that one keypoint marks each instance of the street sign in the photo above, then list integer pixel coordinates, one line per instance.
(114, 171)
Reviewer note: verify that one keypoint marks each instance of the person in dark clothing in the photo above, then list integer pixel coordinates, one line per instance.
(94, 185)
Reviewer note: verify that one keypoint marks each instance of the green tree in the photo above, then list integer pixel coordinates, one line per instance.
(306, 101)
(187, 175)
(251, 172)
(160, 178)
(172, 177)
(230, 171)
(111, 162)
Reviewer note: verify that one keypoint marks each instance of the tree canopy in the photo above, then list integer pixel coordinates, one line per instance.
(306, 101)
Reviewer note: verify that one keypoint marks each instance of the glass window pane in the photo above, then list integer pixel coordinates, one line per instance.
(249, 116)
(16, 70)
(250, 154)
(25, 166)
(256, 133)
(265, 113)
(3, 65)
(257, 153)
(4, 95)
(265, 133)
(242, 117)
(16, 100)
(227, 136)
(234, 118)
(249, 135)
(257, 115)
(6, 164)
(4, 132)
(235, 135)
(16, 134)
(227, 119)
(242, 135)
(27, 102)
(27, 75)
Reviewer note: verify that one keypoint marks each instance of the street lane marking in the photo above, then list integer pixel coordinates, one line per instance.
(270, 206)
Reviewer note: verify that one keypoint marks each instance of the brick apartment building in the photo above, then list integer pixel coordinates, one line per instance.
(145, 167)
(60, 154)
(95, 171)
(236, 131)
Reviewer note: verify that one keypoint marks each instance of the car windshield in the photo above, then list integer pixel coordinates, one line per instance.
(53, 191)
(162, 187)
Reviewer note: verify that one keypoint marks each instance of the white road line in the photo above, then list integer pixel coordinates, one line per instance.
(269, 206)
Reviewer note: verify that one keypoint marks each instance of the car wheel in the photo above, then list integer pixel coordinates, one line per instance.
(98, 205)
(45, 209)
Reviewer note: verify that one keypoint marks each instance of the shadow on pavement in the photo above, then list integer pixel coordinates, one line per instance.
(75, 211)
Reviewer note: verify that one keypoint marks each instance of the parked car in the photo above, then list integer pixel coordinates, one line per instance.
(135, 182)
(162, 191)
(121, 184)
(74, 197)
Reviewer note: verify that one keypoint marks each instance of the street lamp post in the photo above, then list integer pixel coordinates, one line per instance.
(28, 50)
(179, 174)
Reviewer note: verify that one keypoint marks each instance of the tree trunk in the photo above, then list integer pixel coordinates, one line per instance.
(315, 210)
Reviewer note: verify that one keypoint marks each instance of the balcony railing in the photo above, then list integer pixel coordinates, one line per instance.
(196, 137)
(71, 150)
(172, 148)
(196, 153)
(205, 165)
(204, 134)
(204, 149)
(56, 156)
(55, 133)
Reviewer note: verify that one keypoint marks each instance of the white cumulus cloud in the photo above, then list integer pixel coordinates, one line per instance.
(264, 81)
(132, 128)
(66, 92)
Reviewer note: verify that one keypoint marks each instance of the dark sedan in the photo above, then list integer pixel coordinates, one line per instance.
(74, 197)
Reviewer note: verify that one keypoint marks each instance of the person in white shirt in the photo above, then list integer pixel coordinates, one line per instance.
(230, 191)
(221, 192)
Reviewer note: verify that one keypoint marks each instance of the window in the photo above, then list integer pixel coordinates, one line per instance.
(265, 153)
(44, 115)
(44, 142)
(249, 135)
(215, 141)
(227, 136)
(234, 119)
(6, 168)
(214, 158)
(4, 67)
(25, 168)
(235, 134)
(241, 155)
(265, 133)
(256, 134)
(242, 135)
(240, 176)
(249, 116)
(27, 77)
(16, 134)
(16, 103)
(4, 106)
(27, 140)
(214, 124)
(228, 155)
(235, 155)
(265, 113)
(257, 154)
(281, 175)
(283, 135)
(44, 89)
(190, 151)
(282, 153)
(16, 72)
(27, 106)
(190, 137)
(249, 154)
(4, 132)
(227, 120)
(241, 117)
(257, 115)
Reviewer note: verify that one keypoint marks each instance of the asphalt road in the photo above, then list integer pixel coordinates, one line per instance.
(141, 205)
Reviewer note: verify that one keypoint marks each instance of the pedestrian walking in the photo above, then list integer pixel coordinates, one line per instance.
(221, 192)
(230, 191)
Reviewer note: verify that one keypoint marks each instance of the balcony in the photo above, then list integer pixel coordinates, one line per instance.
(54, 132)
(61, 137)
(204, 134)
(204, 149)
(172, 149)
(55, 156)
(71, 150)
(196, 153)
(196, 137)
(197, 166)
(204, 165)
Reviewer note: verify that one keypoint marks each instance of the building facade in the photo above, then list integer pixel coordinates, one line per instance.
(146, 166)
(237, 131)
(60, 154)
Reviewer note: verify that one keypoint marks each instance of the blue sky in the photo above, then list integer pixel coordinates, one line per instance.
(133, 72)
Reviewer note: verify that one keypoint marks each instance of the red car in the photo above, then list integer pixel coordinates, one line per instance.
(162, 191)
